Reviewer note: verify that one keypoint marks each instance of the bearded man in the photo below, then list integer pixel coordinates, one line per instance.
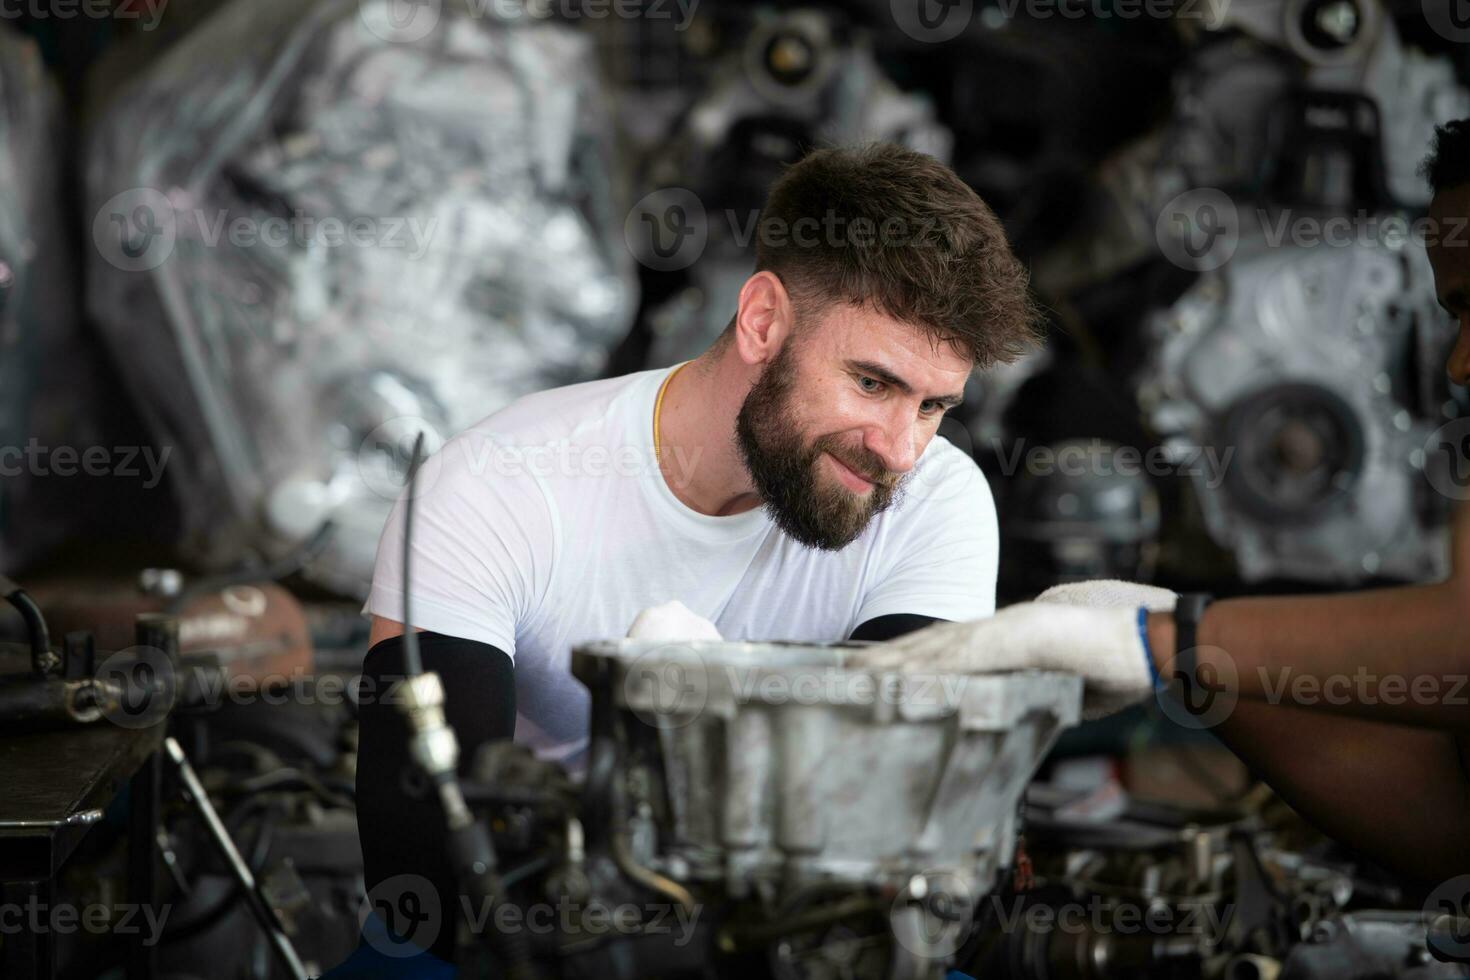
(784, 485)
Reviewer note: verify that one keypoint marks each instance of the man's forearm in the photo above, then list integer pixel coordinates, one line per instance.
(1328, 687)
(1393, 655)
(1398, 794)
(401, 825)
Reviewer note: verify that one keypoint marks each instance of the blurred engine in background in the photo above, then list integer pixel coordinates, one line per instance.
(537, 202)
(1240, 391)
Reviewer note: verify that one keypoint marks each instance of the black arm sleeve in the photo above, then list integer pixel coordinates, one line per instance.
(889, 627)
(400, 822)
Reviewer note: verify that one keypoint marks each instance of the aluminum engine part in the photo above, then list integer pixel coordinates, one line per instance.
(1218, 136)
(1304, 361)
(320, 230)
(28, 147)
(1082, 520)
(797, 80)
(48, 373)
(1287, 365)
(1353, 45)
(1232, 893)
(782, 767)
(1369, 944)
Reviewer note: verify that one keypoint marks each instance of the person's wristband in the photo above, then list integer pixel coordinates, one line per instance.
(1187, 613)
(1148, 654)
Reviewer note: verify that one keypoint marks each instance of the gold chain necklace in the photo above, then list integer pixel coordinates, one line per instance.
(658, 406)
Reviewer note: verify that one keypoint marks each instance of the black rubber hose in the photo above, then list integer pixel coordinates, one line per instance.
(42, 661)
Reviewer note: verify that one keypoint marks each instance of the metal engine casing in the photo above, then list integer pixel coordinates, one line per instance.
(1369, 944)
(780, 766)
(1291, 359)
(293, 374)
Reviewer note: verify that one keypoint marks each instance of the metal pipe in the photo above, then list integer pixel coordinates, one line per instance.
(667, 887)
(50, 702)
(280, 942)
(1253, 967)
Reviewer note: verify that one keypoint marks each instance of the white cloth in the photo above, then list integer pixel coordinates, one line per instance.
(1102, 645)
(549, 524)
(672, 621)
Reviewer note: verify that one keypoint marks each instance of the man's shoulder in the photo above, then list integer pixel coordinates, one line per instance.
(562, 413)
(504, 457)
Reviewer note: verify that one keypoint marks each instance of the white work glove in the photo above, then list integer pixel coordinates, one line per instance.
(1103, 645)
(672, 621)
(1111, 593)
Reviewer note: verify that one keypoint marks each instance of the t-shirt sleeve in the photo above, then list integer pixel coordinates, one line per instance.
(943, 555)
(484, 538)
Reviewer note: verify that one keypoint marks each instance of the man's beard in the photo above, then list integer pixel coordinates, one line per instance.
(820, 513)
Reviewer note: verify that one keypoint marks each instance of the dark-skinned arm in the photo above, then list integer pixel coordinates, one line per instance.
(1356, 748)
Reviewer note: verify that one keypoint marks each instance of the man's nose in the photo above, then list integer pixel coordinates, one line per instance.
(894, 440)
(1459, 362)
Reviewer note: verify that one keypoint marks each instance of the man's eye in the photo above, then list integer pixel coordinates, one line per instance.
(931, 408)
(869, 384)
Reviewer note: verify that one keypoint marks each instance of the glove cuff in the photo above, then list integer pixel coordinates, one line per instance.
(1148, 653)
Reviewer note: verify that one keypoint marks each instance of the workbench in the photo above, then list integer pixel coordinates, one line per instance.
(55, 786)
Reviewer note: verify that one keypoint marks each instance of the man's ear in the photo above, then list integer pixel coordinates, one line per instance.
(764, 320)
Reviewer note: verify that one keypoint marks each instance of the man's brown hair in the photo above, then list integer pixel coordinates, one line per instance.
(897, 231)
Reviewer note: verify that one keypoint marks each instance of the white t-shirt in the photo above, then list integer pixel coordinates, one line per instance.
(549, 524)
